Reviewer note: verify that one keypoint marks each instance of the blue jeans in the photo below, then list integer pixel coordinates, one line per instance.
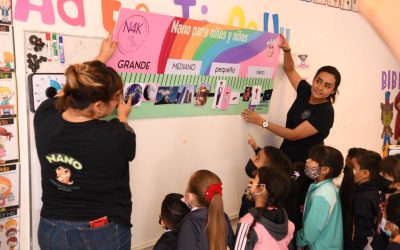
(68, 235)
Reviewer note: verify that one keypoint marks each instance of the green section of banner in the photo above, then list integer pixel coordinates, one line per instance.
(238, 84)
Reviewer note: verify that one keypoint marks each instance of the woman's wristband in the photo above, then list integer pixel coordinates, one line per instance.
(286, 50)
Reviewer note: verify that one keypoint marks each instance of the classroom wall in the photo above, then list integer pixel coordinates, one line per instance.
(170, 149)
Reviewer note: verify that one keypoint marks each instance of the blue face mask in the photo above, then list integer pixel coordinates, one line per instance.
(312, 172)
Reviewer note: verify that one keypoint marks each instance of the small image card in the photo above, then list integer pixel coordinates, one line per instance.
(9, 147)
(219, 89)
(302, 60)
(255, 95)
(202, 94)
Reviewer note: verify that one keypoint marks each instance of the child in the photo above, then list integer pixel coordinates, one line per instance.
(322, 220)
(366, 198)
(266, 226)
(206, 226)
(173, 210)
(346, 198)
(393, 221)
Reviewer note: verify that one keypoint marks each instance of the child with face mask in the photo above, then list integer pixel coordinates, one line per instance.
(322, 219)
(266, 226)
(366, 198)
(392, 216)
(173, 210)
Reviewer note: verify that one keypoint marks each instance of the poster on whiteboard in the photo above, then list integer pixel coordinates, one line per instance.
(168, 52)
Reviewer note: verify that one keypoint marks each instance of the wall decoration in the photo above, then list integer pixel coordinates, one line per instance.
(175, 52)
(7, 59)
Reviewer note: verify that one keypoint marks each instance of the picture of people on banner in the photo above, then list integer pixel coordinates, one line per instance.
(202, 94)
(219, 89)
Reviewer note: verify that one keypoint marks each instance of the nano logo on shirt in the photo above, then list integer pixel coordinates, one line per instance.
(306, 114)
(55, 158)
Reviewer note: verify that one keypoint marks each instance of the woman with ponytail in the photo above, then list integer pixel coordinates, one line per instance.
(206, 226)
(266, 226)
(85, 161)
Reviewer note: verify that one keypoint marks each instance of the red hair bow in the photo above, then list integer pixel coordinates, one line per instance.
(213, 189)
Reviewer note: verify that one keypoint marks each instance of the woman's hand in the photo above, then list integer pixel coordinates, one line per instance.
(284, 45)
(124, 109)
(252, 142)
(252, 117)
(107, 49)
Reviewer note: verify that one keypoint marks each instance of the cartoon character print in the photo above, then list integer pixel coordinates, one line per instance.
(386, 118)
(4, 135)
(5, 190)
(64, 175)
(11, 233)
(5, 6)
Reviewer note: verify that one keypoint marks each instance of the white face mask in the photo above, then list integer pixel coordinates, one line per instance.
(388, 232)
(185, 200)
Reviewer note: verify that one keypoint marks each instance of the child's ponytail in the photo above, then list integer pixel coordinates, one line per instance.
(216, 226)
(207, 187)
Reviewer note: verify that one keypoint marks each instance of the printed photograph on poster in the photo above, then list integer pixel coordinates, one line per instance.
(320, 1)
(149, 92)
(202, 94)
(266, 95)
(345, 4)
(301, 60)
(219, 89)
(354, 6)
(166, 95)
(9, 148)
(234, 99)
(9, 186)
(135, 91)
(185, 94)
(6, 12)
(8, 99)
(333, 3)
(247, 94)
(9, 230)
(255, 95)
(7, 58)
(226, 96)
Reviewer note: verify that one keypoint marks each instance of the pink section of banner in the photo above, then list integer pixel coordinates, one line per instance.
(139, 36)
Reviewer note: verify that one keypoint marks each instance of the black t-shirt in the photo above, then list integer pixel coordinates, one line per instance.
(84, 167)
(320, 116)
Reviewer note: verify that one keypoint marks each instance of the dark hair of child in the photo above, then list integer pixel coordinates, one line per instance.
(173, 210)
(369, 160)
(329, 157)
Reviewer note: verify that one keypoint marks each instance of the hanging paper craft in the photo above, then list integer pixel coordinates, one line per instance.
(6, 12)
